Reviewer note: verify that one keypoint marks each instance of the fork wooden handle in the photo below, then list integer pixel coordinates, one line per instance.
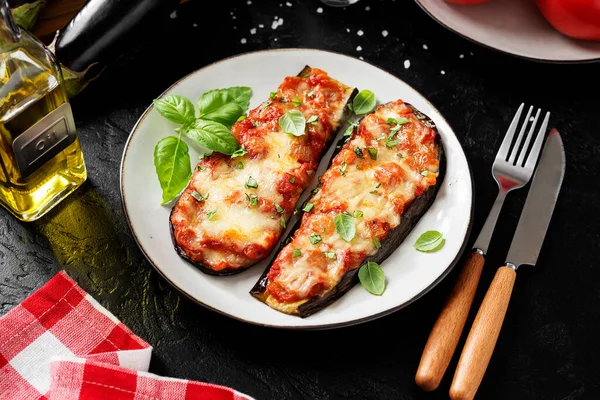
(447, 329)
(483, 336)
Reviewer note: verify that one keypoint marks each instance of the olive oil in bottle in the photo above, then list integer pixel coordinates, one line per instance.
(40, 157)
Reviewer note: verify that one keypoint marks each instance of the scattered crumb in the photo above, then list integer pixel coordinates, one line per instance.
(287, 3)
(384, 33)
(253, 31)
(367, 8)
(360, 32)
(361, 57)
(443, 72)
(471, 53)
(243, 41)
(231, 12)
(425, 47)
(261, 26)
(348, 30)
(358, 48)
(531, 118)
(173, 15)
(275, 39)
(407, 64)
(461, 56)
(320, 10)
(233, 17)
(276, 23)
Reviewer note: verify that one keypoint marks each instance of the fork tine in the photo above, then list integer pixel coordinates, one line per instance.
(515, 149)
(535, 150)
(510, 133)
(528, 139)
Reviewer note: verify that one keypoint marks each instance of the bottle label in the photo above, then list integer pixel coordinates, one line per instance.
(48, 137)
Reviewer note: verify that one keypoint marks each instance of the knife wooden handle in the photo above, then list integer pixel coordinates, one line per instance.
(448, 327)
(482, 338)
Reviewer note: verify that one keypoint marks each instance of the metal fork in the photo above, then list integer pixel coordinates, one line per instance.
(512, 169)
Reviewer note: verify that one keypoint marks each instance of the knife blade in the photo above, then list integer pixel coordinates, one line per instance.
(524, 249)
(539, 205)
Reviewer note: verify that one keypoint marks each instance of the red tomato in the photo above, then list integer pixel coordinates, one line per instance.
(466, 2)
(579, 19)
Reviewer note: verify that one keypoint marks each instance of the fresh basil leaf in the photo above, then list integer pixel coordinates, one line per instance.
(172, 163)
(211, 214)
(429, 241)
(224, 105)
(313, 120)
(358, 214)
(282, 221)
(213, 136)
(251, 183)
(278, 208)
(372, 278)
(308, 207)
(314, 239)
(239, 152)
(296, 101)
(344, 225)
(296, 253)
(364, 102)
(293, 122)
(330, 254)
(359, 152)
(343, 166)
(372, 153)
(198, 196)
(376, 242)
(176, 108)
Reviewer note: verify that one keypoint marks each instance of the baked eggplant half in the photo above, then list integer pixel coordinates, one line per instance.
(234, 210)
(381, 181)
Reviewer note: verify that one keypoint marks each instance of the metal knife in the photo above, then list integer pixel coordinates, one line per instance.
(524, 250)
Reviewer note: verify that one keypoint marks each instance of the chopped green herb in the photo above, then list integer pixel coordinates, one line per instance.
(358, 152)
(391, 143)
(211, 214)
(378, 185)
(314, 239)
(283, 100)
(343, 168)
(296, 101)
(278, 208)
(372, 153)
(240, 165)
(198, 196)
(313, 120)
(373, 192)
(200, 168)
(239, 152)
(266, 104)
(255, 123)
(251, 183)
(358, 214)
(400, 155)
(315, 190)
(308, 207)
(350, 129)
(357, 166)
(292, 179)
(349, 105)
(424, 172)
(391, 121)
(376, 242)
(309, 172)
(311, 94)
(296, 253)
(252, 199)
(241, 118)
(273, 95)
(381, 137)
(282, 221)
(330, 254)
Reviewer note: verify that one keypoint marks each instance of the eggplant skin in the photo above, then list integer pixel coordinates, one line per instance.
(233, 271)
(411, 216)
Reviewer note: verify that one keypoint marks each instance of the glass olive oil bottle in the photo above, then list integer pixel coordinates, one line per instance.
(40, 157)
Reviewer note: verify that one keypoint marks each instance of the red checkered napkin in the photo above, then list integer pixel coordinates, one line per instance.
(61, 344)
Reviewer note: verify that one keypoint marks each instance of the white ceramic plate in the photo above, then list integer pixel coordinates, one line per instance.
(512, 26)
(410, 273)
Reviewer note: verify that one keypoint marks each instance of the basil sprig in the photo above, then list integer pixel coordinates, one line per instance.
(218, 110)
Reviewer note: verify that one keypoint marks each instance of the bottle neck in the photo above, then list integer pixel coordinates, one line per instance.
(9, 31)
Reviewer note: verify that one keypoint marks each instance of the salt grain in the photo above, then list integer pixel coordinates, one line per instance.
(233, 17)
(231, 13)
(261, 26)
(443, 72)
(358, 48)
(287, 3)
(274, 25)
(367, 8)
(195, 25)
(173, 15)
(253, 31)
(249, 2)
(407, 64)
(360, 32)
(243, 41)
(384, 33)
(320, 10)
(461, 56)
(275, 39)
(425, 47)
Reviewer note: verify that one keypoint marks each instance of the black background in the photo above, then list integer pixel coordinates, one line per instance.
(548, 346)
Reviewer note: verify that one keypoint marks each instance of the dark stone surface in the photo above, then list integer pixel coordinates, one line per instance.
(548, 347)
